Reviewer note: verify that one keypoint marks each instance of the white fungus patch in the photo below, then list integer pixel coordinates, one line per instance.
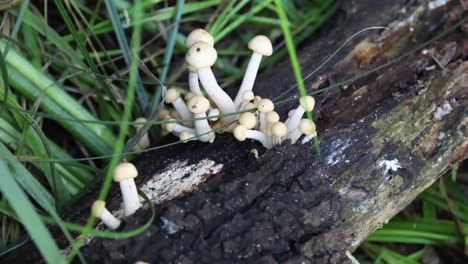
(436, 4)
(389, 165)
(177, 179)
(443, 111)
(337, 155)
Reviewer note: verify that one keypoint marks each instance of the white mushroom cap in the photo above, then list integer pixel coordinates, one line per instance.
(248, 96)
(307, 102)
(248, 120)
(198, 35)
(261, 44)
(257, 98)
(201, 55)
(265, 106)
(171, 95)
(279, 129)
(140, 120)
(272, 117)
(291, 112)
(248, 106)
(170, 126)
(306, 126)
(198, 104)
(124, 171)
(98, 208)
(240, 132)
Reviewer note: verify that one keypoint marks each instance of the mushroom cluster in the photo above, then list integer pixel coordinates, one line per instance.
(204, 103)
(264, 124)
(207, 108)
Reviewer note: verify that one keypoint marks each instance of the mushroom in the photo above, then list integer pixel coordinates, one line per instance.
(198, 105)
(306, 103)
(246, 98)
(202, 56)
(173, 97)
(98, 209)
(261, 46)
(193, 80)
(305, 126)
(241, 133)
(144, 140)
(278, 130)
(264, 106)
(124, 174)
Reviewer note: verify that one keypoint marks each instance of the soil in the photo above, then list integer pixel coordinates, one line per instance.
(292, 205)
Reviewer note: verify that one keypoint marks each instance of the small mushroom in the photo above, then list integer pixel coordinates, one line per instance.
(306, 103)
(124, 174)
(173, 97)
(246, 98)
(278, 132)
(261, 46)
(144, 142)
(248, 120)
(198, 105)
(241, 133)
(306, 127)
(197, 35)
(202, 56)
(264, 106)
(98, 209)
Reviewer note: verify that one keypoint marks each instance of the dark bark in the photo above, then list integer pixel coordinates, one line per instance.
(292, 205)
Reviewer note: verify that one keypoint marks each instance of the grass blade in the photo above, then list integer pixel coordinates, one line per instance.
(27, 215)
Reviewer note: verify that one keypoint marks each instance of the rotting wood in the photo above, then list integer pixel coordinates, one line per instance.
(388, 136)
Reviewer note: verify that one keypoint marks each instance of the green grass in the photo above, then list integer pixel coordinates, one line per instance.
(74, 77)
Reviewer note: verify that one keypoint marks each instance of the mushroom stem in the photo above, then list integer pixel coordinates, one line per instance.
(176, 129)
(193, 83)
(98, 209)
(241, 133)
(259, 136)
(131, 201)
(182, 109)
(222, 100)
(203, 129)
(249, 77)
(295, 135)
(293, 121)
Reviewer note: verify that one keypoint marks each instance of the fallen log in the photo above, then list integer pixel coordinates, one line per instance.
(384, 138)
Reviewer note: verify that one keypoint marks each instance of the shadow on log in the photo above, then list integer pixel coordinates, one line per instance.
(384, 139)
